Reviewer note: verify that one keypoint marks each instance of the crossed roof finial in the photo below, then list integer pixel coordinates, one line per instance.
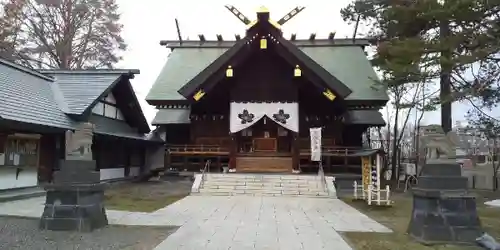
(261, 10)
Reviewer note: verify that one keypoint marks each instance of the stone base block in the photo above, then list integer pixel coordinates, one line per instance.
(72, 224)
(443, 182)
(74, 210)
(450, 220)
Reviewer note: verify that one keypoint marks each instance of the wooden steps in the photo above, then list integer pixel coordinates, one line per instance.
(264, 164)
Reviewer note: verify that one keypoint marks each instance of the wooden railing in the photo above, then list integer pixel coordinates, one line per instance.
(186, 148)
(326, 142)
(336, 150)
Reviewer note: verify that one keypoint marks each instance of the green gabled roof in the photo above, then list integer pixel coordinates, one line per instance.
(350, 65)
(346, 62)
(172, 116)
(183, 64)
(364, 117)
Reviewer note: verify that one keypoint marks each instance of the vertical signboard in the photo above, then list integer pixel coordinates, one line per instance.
(366, 171)
(315, 144)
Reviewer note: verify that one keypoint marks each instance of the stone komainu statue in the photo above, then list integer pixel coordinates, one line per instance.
(79, 142)
(437, 144)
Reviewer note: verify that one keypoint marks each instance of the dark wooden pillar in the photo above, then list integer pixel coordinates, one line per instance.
(168, 158)
(47, 156)
(218, 166)
(131, 152)
(233, 148)
(329, 164)
(295, 151)
(3, 142)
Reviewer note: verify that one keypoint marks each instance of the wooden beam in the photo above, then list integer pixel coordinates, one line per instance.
(238, 14)
(178, 30)
(301, 43)
(290, 15)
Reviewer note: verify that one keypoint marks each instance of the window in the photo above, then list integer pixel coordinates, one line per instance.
(282, 131)
(110, 111)
(246, 132)
(20, 152)
(266, 134)
(98, 109)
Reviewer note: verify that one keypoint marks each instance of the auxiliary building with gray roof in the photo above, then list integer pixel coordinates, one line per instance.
(37, 107)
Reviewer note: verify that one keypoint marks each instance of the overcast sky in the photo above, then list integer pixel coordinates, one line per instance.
(149, 21)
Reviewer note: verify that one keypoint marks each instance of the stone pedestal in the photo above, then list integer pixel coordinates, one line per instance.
(75, 201)
(444, 212)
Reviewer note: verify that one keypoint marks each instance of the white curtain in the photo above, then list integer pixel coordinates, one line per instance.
(245, 114)
(315, 144)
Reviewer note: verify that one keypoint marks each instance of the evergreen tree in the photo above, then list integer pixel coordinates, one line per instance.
(419, 41)
(410, 46)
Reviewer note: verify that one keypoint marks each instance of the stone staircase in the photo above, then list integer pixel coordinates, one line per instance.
(262, 185)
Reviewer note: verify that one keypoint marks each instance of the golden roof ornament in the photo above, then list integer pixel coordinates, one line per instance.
(262, 9)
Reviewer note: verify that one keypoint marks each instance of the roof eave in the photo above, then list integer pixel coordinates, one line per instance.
(16, 124)
(26, 70)
(143, 126)
(362, 42)
(157, 102)
(340, 88)
(130, 72)
(189, 88)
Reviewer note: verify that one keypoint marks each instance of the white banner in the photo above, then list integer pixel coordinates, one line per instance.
(245, 114)
(315, 144)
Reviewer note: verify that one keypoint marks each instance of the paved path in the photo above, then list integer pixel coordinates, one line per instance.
(240, 222)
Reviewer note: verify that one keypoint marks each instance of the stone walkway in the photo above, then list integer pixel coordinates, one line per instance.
(241, 222)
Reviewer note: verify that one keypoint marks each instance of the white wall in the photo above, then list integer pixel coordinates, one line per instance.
(112, 173)
(27, 178)
(116, 173)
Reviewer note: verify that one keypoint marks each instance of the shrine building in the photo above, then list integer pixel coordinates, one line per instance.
(39, 107)
(249, 103)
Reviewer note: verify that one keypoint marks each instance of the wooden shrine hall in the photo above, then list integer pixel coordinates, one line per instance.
(249, 103)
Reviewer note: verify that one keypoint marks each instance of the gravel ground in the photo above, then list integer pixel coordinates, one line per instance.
(23, 234)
